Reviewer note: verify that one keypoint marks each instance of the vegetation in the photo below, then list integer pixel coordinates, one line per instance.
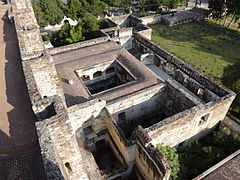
(87, 28)
(113, 2)
(52, 11)
(49, 11)
(103, 23)
(153, 5)
(190, 161)
(173, 160)
(222, 9)
(215, 54)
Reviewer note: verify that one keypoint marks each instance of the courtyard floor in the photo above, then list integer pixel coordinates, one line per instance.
(17, 129)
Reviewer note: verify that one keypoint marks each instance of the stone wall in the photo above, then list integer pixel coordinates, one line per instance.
(136, 104)
(28, 33)
(147, 33)
(116, 135)
(78, 45)
(119, 20)
(144, 45)
(150, 162)
(154, 19)
(125, 37)
(54, 28)
(45, 75)
(189, 124)
(62, 143)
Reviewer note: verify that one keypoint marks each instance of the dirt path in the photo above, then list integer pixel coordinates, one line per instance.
(16, 117)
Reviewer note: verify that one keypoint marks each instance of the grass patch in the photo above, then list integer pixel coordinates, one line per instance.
(214, 54)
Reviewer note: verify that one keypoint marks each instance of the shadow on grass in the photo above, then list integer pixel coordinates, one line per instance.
(230, 78)
(231, 74)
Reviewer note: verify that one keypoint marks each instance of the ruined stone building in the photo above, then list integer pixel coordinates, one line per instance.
(103, 105)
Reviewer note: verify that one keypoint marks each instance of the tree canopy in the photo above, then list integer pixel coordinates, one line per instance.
(225, 8)
(89, 23)
(52, 11)
(189, 161)
(49, 11)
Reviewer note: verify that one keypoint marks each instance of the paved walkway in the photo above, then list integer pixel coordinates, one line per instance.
(16, 117)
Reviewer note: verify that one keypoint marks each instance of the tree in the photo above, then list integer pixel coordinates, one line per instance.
(103, 23)
(49, 11)
(217, 8)
(172, 158)
(97, 7)
(172, 4)
(233, 8)
(89, 23)
(113, 2)
(67, 35)
(39, 14)
(75, 34)
(76, 9)
(236, 89)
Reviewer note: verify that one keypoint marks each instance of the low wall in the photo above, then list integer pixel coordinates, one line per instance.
(78, 45)
(57, 27)
(151, 19)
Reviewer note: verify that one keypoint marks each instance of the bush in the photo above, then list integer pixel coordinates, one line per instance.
(172, 158)
(103, 23)
(189, 161)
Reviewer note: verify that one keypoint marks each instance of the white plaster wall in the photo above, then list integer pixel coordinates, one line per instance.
(80, 113)
(138, 104)
(147, 33)
(125, 32)
(98, 67)
(151, 19)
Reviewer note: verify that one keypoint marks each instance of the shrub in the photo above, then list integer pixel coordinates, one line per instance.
(172, 158)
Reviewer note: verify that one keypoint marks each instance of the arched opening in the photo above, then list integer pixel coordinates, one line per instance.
(110, 70)
(97, 74)
(68, 166)
(85, 77)
(66, 21)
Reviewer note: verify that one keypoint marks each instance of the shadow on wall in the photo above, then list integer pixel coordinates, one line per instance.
(17, 110)
(73, 100)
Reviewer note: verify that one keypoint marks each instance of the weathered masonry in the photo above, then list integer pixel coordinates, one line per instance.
(102, 109)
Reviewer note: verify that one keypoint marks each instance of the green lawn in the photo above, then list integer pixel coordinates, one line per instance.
(214, 54)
